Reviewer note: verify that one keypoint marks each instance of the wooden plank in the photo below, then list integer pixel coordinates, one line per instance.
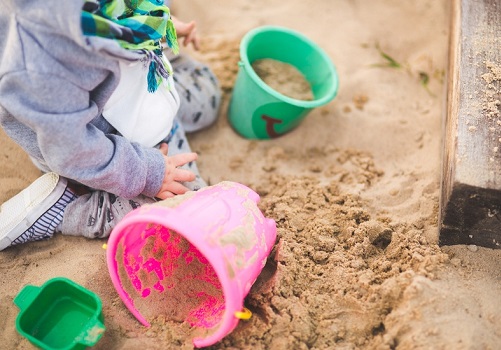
(470, 204)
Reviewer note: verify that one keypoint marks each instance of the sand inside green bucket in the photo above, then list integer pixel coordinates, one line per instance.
(284, 78)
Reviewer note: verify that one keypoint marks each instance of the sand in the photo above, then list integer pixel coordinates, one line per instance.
(354, 191)
(283, 78)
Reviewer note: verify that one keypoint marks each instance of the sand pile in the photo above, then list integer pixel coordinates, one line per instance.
(354, 191)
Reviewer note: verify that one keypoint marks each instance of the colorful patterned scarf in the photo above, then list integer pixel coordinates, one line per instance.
(135, 25)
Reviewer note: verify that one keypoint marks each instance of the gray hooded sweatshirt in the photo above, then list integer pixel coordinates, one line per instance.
(54, 83)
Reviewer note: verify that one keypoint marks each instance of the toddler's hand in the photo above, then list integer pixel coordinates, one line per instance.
(173, 176)
(188, 31)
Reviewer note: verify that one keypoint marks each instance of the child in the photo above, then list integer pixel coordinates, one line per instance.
(91, 96)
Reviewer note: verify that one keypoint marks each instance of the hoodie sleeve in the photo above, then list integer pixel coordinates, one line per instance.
(60, 114)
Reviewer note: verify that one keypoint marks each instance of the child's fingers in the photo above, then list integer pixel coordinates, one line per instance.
(184, 175)
(184, 29)
(193, 39)
(164, 148)
(165, 194)
(191, 27)
(171, 189)
(177, 188)
(183, 158)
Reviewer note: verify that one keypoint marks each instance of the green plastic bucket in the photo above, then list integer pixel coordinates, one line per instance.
(257, 111)
(59, 315)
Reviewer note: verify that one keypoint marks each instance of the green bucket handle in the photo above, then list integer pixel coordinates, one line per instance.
(26, 296)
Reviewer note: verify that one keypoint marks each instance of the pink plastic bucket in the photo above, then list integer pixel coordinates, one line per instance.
(192, 258)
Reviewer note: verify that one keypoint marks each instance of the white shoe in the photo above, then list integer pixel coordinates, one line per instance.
(34, 213)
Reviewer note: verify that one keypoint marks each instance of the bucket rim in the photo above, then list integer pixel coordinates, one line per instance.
(182, 226)
(329, 96)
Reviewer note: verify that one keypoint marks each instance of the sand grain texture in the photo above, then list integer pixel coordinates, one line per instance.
(354, 191)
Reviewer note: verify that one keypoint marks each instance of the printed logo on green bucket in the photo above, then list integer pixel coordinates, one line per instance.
(274, 119)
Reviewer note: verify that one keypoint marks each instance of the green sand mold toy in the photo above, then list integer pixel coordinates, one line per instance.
(59, 315)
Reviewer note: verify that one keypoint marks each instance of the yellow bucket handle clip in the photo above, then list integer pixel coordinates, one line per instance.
(245, 314)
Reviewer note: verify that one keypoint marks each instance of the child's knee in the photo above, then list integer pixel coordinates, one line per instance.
(200, 94)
